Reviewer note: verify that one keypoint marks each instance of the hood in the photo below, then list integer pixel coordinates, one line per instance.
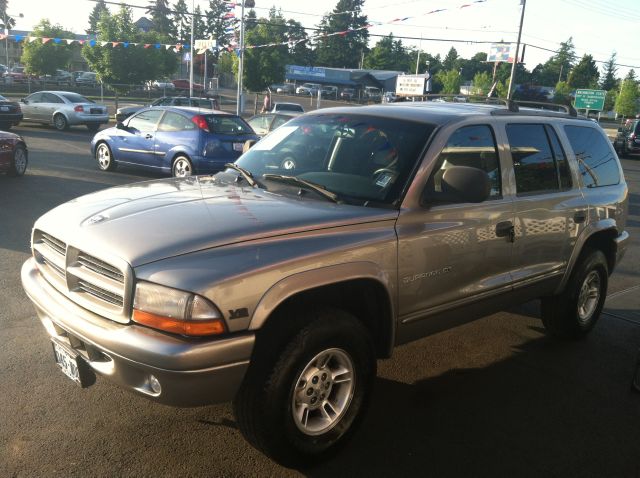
(148, 221)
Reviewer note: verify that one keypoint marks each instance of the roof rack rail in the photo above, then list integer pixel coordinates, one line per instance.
(570, 110)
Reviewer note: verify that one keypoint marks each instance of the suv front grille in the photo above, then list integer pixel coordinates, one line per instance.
(98, 285)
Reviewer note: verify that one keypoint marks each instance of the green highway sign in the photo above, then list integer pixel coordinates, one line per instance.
(590, 100)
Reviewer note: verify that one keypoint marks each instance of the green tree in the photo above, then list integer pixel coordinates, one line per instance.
(120, 66)
(343, 51)
(180, 18)
(562, 93)
(585, 74)
(161, 17)
(451, 60)
(199, 25)
(627, 101)
(476, 64)
(299, 51)
(558, 66)
(45, 59)
(216, 24)
(609, 80)
(250, 20)
(11, 22)
(481, 83)
(450, 80)
(94, 17)
(388, 54)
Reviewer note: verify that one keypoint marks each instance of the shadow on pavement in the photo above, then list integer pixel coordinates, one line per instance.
(551, 409)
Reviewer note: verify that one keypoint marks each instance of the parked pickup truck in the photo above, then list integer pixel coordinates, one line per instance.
(280, 281)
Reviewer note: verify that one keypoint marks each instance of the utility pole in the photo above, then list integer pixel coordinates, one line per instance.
(419, 50)
(6, 32)
(193, 22)
(515, 59)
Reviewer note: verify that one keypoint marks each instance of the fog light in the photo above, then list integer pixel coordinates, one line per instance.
(154, 383)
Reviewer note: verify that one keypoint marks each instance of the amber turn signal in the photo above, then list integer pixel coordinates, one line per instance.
(194, 328)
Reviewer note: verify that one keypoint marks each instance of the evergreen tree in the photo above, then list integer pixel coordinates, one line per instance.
(216, 23)
(451, 60)
(450, 80)
(300, 52)
(609, 80)
(558, 66)
(627, 100)
(344, 50)
(585, 74)
(388, 54)
(250, 20)
(95, 15)
(180, 17)
(161, 17)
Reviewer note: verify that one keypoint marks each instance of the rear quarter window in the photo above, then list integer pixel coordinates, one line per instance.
(597, 163)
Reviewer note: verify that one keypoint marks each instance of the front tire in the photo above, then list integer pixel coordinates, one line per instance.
(19, 162)
(574, 312)
(104, 157)
(182, 167)
(60, 122)
(300, 406)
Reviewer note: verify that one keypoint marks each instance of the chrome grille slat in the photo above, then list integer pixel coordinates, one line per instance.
(101, 293)
(100, 267)
(54, 244)
(55, 267)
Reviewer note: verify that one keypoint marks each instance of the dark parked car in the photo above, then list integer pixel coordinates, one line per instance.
(87, 78)
(10, 113)
(264, 123)
(627, 140)
(348, 94)
(180, 141)
(13, 154)
(204, 103)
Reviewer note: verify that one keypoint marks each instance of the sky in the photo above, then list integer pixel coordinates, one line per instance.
(598, 27)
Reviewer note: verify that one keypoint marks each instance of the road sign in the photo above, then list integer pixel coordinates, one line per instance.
(590, 100)
(411, 85)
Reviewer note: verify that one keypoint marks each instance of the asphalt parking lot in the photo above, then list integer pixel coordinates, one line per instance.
(494, 397)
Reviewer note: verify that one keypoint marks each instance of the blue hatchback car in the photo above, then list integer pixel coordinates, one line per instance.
(180, 141)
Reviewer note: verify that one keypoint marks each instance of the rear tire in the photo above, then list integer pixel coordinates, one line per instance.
(574, 312)
(60, 122)
(19, 162)
(182, 167)
(299, 405)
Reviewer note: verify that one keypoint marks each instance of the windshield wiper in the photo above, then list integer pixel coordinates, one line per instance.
(303, 183)
(245, 174)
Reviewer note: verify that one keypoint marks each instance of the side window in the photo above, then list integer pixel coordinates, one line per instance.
(279, 121)
(145, 121)
(35, 98)
(561, 159)
(597, 163)
(260, 124)
(472, 146)
(50, 98)
(533, 163)
(175, 122)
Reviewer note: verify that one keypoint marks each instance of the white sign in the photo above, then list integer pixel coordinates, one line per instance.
(204, 45)
(410, 85)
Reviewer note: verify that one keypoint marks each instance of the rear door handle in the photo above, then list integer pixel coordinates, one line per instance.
(148, 136)
(506, 229)
(580, 217)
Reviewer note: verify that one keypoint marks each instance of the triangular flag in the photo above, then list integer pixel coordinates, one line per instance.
(45, 40)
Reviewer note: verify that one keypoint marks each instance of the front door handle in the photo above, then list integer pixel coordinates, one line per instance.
(506, 229)
(148, 136)
(580, 217)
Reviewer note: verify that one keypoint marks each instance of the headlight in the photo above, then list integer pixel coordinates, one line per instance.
(175, 311)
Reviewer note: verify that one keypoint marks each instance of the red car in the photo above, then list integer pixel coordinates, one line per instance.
(13, 154)
(184, 85)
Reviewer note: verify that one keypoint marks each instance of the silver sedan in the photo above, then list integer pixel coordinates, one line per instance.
(63, 109)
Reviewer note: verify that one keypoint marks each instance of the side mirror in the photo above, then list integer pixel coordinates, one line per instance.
(24, 100)
(465, 184)
(120, 125)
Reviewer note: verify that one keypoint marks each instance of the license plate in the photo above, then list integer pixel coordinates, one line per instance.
(95, 111)
(72, 365)
(238, 146)
(4, 108)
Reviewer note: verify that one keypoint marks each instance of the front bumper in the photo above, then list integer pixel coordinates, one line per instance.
(192, 372)
(621, 242)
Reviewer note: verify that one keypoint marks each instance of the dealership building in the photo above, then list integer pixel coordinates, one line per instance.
(342, 77)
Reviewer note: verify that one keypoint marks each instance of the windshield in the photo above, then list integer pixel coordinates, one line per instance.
(75, 98)
(360, 158)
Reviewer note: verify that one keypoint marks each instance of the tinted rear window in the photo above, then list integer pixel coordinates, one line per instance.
(74, 98)
(227, 125)
(282, 107)
(597, 162)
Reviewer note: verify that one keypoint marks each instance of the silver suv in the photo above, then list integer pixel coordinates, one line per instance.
(346, 232)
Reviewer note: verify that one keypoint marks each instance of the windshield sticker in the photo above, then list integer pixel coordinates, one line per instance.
(384, 180)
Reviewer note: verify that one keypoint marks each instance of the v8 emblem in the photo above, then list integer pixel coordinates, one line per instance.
(238, 313)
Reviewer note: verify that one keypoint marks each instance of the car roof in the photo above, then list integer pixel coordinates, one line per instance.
(192, 109)
(441, 113)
